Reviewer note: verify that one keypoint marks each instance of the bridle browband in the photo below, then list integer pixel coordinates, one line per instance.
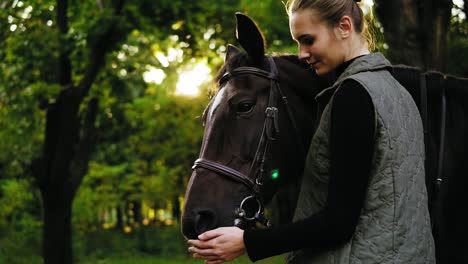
(254, 180)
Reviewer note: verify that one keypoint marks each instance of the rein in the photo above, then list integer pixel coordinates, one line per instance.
(254, 180)
(443, 119)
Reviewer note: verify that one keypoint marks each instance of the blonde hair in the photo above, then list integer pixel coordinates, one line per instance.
(332, 11)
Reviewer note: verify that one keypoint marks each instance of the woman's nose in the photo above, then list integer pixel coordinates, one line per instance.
(303, 54)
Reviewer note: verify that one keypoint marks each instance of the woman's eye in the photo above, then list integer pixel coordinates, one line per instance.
(245, 107)
(309, 40)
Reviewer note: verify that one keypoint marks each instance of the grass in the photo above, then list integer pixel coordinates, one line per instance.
(147, 260)
(176, 260)
(151, 245)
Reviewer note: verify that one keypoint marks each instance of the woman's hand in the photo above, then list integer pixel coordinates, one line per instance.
(219, 245)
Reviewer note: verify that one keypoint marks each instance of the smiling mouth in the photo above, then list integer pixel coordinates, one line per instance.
(313, 64)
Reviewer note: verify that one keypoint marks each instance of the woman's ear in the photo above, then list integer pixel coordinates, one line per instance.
(345, 27)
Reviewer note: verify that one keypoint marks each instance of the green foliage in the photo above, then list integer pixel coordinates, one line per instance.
(149, 161)
(123, 165)
(14, 199)
(103, 243)
(272, 17)
(19, 226)
(457, 45)
(163, 241)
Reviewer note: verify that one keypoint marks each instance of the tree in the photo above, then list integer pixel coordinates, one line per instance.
(69, 132)
(50, 75)
(457, 43)
(416, 31)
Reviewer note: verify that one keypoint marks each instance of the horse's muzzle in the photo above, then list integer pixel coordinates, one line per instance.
(198, 223)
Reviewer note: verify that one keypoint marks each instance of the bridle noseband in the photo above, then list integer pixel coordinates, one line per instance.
(269, 133)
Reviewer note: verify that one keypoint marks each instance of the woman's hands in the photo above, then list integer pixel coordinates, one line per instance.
(219, 245)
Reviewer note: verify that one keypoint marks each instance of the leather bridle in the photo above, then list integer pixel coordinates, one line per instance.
(255, 178)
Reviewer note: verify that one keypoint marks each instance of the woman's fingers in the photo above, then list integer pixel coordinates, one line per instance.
(211, 234)
(201, 251)
(200, 244)
(205, 257)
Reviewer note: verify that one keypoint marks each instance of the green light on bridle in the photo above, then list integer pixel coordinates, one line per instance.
(275, 174)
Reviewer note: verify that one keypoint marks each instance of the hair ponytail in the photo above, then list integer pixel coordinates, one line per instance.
(368, 33)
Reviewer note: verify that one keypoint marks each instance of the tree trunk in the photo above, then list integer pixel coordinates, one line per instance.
(465, 10)
(416, 31)
(137, 212)
(119, 224)
(57, 242)
(176, 208)
(61, 168)
(56, 190)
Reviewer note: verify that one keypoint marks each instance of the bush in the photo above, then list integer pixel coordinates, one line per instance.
(103, 243)
(164, 241)
(20, 229)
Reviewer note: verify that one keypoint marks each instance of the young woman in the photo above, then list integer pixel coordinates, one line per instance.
(363, 196)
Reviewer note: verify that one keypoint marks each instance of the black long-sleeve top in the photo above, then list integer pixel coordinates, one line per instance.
(351, 142)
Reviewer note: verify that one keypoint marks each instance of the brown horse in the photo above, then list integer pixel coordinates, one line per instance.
(257, 131)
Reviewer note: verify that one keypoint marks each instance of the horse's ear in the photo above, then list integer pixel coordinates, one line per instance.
(250, 37)
(231, 52)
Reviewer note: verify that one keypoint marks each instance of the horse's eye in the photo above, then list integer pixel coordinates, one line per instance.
(245, 107)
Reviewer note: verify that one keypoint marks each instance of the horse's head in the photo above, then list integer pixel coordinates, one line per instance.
(257, 130)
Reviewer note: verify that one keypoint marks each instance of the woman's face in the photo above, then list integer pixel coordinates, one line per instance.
(317, 41)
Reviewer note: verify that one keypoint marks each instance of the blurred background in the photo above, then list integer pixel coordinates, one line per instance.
(100, 105)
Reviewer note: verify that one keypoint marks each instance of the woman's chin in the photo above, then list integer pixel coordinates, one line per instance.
(321, 70)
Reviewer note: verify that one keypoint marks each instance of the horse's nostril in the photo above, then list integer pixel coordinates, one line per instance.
(204, 221)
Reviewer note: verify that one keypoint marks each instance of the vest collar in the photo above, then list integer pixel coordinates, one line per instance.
(370, 62)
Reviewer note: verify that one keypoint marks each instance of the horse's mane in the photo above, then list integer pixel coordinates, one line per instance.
(295, 60)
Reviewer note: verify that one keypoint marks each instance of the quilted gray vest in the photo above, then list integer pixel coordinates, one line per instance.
(394, 225)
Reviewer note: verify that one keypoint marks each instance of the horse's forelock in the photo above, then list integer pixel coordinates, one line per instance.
(236, 61)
